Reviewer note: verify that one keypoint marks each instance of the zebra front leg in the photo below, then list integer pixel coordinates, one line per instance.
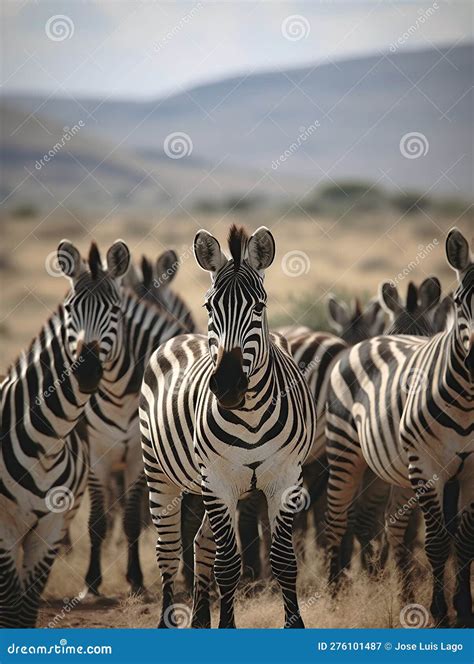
(437, 538)
(399, 538)
(40, 547)
(97, 533)
(284, 502)
(192, 514)
(465, 547)
(132, 525)
(204, 556)
(11, 587)
(227, 565)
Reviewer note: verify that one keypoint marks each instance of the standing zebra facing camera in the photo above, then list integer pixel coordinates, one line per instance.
(43, 471)
(222, 415)
(404, 407)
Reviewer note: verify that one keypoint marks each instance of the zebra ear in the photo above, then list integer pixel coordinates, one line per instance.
(261, 249)
(338, 312)
(167, 265)
(429, 293)
(389, 298)
(457, 250)
(118, 259)
(374, 316)
(207, 252)
(69, 259)
(443, 313)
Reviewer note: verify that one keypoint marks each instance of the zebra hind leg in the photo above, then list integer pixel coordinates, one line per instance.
(165, 509)
(204, 555)
(97, 533)
(464, 542)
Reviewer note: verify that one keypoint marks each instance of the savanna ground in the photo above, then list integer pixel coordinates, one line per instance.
(349, 256)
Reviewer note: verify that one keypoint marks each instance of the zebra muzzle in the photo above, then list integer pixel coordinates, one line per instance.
(88, 368)
(228, 381)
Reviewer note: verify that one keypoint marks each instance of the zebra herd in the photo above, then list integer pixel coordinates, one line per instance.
(238, 425)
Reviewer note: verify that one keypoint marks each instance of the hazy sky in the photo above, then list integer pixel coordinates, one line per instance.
(144, 48)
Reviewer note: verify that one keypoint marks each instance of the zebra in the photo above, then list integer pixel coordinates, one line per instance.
(223, 415)
(404, 407)
(110, 421)
(43, 463)
(316, 354)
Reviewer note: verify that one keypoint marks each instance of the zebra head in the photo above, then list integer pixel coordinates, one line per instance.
(415, 317)
(461, 260)
(355, 324)
(237, 328)
(93, 328)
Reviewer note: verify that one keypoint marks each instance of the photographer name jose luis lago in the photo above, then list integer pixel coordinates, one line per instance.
(452, 647)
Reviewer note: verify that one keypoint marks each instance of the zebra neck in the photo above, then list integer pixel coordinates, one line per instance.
(456, 374)
(42, 380)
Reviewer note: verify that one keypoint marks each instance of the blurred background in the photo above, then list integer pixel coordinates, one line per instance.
(346, 127)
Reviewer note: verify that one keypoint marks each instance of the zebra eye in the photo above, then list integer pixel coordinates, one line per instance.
(258, 308)
(207, 306)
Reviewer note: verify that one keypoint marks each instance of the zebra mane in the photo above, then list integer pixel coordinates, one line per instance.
(95, 261)
(237, 240)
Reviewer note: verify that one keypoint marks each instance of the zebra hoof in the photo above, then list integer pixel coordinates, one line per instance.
(465, 622)
(295, 623)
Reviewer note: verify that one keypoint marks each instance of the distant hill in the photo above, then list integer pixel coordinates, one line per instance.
(346, 120)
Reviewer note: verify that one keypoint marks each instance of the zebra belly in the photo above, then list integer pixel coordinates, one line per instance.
(383, 455)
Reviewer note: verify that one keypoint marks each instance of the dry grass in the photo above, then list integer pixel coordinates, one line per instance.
(365, 603)
(352, 255)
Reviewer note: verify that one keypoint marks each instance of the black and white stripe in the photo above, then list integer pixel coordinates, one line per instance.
(43, 471)
(222, 415)
(404, 407)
